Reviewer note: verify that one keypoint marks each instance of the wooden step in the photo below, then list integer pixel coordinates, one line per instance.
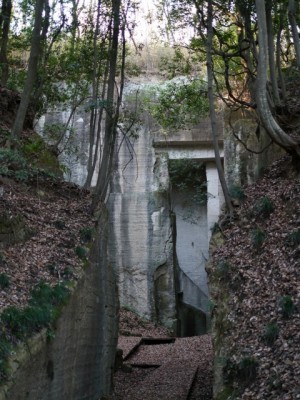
(171, 381)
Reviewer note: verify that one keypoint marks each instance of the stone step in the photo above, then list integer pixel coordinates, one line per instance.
(171, 381)
(128, 344)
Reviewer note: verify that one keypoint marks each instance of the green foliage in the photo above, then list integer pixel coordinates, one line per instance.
(258, 237)
(42, 309)
(18, 324)
(13, 165)
(81, 252)
(223, 269)
(271, 333)
(86, 234)
(247, 369)
(5, 349)
(178, 64)
(263, 207)
(189, 175)
(244, 371)
(59, 224)
(4, 281)
(22, 322)
(287, 306)
(293, 238)
(180, 104)
(236, 192)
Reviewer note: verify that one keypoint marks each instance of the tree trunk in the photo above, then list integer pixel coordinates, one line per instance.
(111, 115)
(275, 132)
(213, 117)
(294, 28)
(271, 48)
(5, 24)
(32, 69)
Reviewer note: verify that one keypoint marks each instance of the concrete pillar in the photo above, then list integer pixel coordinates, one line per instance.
(215, 196)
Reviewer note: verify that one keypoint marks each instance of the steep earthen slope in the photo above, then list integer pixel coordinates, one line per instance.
(255, 286)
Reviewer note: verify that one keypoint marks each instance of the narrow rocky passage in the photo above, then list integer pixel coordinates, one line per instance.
(154, 365)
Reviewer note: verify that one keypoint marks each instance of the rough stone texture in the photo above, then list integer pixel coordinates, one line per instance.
(141, 249)
(77, 364)
(242, 166)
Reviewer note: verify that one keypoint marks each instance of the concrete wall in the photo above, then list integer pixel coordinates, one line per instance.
(76, 364)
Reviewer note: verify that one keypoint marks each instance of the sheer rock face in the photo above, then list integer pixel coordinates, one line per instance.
(140, 246)
(77, 363)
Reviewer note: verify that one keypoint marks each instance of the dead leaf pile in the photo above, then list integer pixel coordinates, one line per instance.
(259, 267)
(54, 215)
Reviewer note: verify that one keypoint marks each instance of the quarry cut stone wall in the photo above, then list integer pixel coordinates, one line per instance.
(140, 245)
(248, 149)
(77, 363)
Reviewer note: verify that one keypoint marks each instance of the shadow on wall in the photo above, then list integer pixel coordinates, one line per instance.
(191, 322)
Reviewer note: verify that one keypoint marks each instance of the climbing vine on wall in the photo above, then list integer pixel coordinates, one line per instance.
(188, 175)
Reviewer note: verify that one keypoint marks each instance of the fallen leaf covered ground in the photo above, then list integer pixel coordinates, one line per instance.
(54, 215)
(257, 273)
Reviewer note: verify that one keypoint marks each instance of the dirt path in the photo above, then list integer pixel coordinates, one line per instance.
(164, 368)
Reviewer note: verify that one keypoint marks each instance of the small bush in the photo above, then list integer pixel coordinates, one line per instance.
(86, 234)
(43, 294)
(244, 371)
(5, 349)
(287, 306)
(293, 238)
(81, 252)
(4, 281)
(42, 309)
(264, 207)
(271, 333)
(258, 237)
(247, 369)
(223, 269)
(59, 224)
(67, 273)
(13, 164)
(236, 192)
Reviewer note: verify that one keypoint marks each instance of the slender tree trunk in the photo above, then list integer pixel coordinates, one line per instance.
(111, 116)
(213, 117)
(294, 28)
(32, 69)
(96, 116)
(271, 48)
(275, 132)
(282, 12)
(5, 16)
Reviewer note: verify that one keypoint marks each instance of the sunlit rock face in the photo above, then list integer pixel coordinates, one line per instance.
(74, 149)
(141, 248)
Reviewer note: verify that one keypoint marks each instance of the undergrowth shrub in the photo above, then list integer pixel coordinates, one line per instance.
(287, 306)
(293, 238)
(5, 349)
(4, 281)
(86, 234)
(236, 192)
(20, 323)
(223, 269)
(263, 207)
(258, 237)
(81, 252)
(271, 333)
(244, 371)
